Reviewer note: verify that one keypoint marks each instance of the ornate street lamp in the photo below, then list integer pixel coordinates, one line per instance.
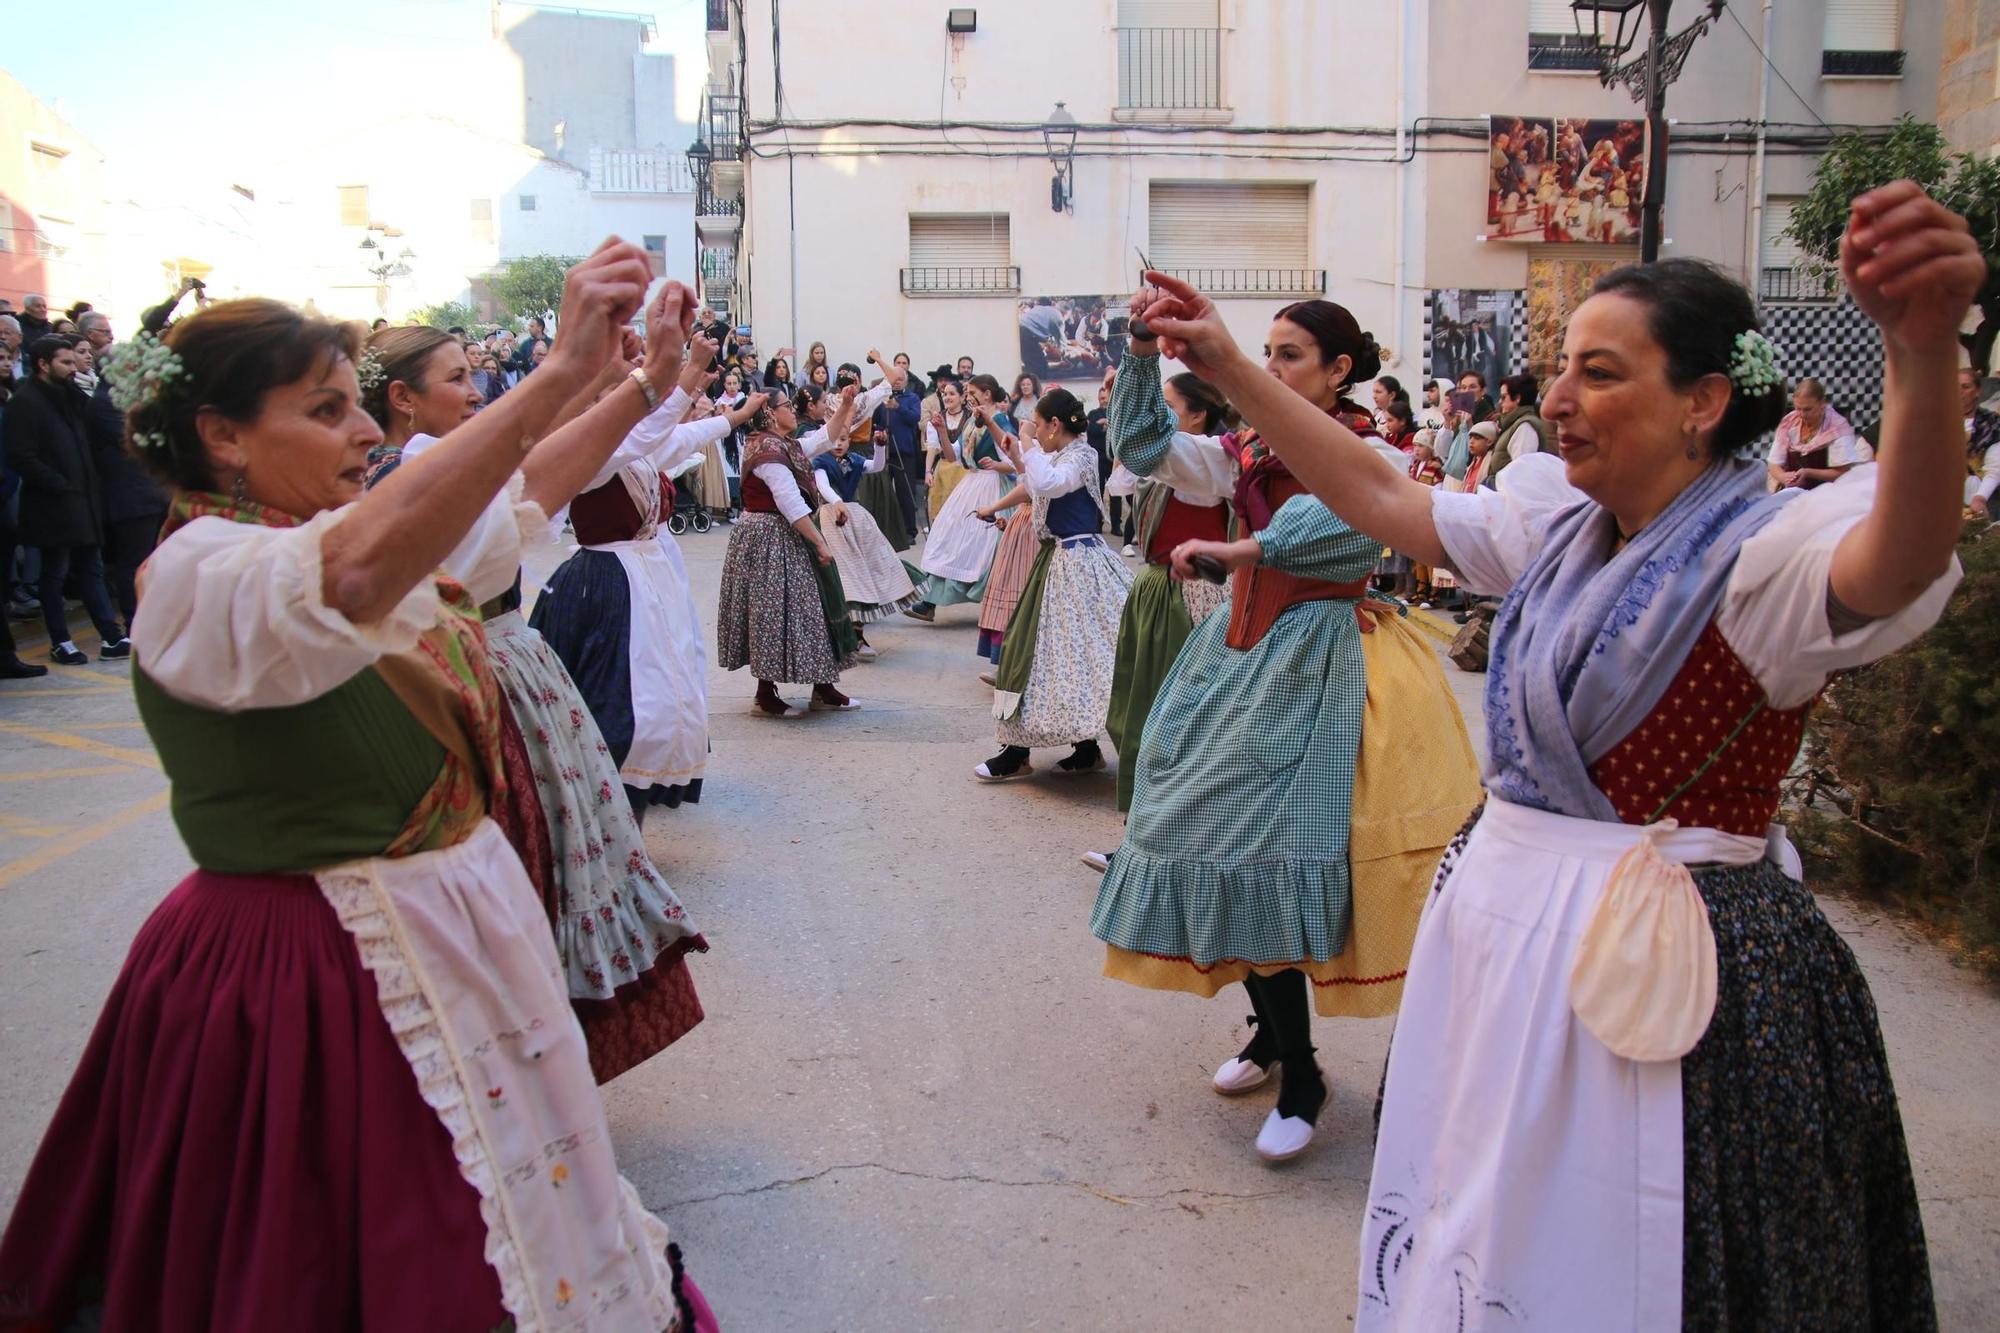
(1059, 134)
(1646, 77)
(700, 156)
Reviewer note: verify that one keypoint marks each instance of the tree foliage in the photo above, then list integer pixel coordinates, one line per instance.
(1906, 758)
(1864, 160)
(450, 314)
(530, 286)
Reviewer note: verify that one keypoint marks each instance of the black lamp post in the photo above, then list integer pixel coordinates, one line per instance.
(700, 156)
(1059, 134)
(1646, 77)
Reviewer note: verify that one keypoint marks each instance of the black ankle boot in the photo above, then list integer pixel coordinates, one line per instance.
(1010, 763)
(1302, 1089)
(1085, 758)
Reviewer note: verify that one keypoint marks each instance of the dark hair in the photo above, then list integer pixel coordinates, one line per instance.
(1065, 409)
(771, 370)
(807, 396)
(1029, 376)
(1394, 386)
(991, 387)
(404, 355)
(232, 354)
(1479, 375)
(1399, 408)
(79, 310)
(1338, 334)
(45, 348)
(818, 368)
(1206, 401)
(1526, 389)
(1695, 311)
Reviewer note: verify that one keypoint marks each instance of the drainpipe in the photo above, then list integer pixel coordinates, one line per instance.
(1402, 170)
(1755, 249)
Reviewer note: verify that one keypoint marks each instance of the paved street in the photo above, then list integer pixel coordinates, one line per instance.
(915, 1104)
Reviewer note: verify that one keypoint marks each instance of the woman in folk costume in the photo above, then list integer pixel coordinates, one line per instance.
(1054, 682)
(952, 422)
(1637, 1081)
(620, 930)
(874, 578)
(1180, 502)
(1303, 763)
(1013, 562)
(958, 554)
(337, 1083)
(620, 613)
(782, 611)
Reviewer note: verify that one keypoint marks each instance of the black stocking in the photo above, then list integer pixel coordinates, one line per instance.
(1302, 1088)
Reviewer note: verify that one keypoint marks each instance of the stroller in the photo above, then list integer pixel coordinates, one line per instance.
(687, 513)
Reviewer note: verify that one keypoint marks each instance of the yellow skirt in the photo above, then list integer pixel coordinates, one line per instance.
(1415, 785)
(944, 477)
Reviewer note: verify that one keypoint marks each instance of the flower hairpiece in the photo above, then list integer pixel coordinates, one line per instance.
(1754, 367)
(369, 371)
(141, 368)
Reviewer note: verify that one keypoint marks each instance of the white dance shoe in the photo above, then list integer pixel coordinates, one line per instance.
(1283, 1137)
(1237, 1076)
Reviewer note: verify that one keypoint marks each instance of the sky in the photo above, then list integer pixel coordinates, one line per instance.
(214, 87)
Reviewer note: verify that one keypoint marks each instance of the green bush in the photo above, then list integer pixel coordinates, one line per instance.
(1904, 760)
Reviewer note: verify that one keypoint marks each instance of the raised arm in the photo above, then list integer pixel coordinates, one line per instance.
(1338, 466)
(1913, 266)
(399, 532)
(567, 461)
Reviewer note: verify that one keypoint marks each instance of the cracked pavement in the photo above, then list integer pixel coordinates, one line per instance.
(915, 1103)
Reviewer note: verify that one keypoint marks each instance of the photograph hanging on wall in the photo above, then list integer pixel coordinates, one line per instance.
(1556, 287)
(1473, 330)
(1071, 337)
(1564, 181)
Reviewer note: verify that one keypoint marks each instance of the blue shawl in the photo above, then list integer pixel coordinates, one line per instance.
(1590, 636)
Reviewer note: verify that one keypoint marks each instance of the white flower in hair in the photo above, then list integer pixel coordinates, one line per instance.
(140, 369)
(1754, 367)
(369, 371)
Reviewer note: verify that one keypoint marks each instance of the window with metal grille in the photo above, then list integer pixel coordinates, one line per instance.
(1784, 275)
(960, 254)
(354, 205)
(1863, 38)
(1169, 55)
(1554, 44)
(1235, 237)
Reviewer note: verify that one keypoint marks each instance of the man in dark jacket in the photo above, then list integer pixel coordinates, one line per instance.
(11, 667)
(48, 444)
(901, 421)
(134, 504)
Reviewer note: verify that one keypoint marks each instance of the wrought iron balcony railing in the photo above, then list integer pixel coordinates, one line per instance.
(969, 280)
(1797, 284)
(1860, 64)
(1564, 51)
(722, 125)
(1255, 281)
(718, 15)
(1169, 69)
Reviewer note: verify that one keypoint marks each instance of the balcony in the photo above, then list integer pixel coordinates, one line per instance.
(1797, 286)
(1564, 53)
(1298, 282)
(718, 15)
(1170, 74)
(971, 280)
(1861, 64)
(639, 172)
(722, 125)
(717, 218)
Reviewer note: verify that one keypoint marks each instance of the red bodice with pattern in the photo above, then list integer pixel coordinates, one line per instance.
(1710, 696)
(1180, 522)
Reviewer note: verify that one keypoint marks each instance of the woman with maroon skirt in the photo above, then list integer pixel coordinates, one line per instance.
(337, 1084)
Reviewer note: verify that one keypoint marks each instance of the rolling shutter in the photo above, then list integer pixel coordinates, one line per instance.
(1780, 250)
(959, 240)
(1230, 225)
(1169, 13)
(1551, 18)
(1864, 25)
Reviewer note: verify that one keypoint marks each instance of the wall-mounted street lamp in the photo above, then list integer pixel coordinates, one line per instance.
(1059, 134)
(1646, 78)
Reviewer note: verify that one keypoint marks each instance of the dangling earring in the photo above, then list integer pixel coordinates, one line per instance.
(239, 490)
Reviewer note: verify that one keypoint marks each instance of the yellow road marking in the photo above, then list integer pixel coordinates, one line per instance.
(123, 753)
(107, 726)
(29, 828)
(88, 771)
(42, 857)
(50, 691)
